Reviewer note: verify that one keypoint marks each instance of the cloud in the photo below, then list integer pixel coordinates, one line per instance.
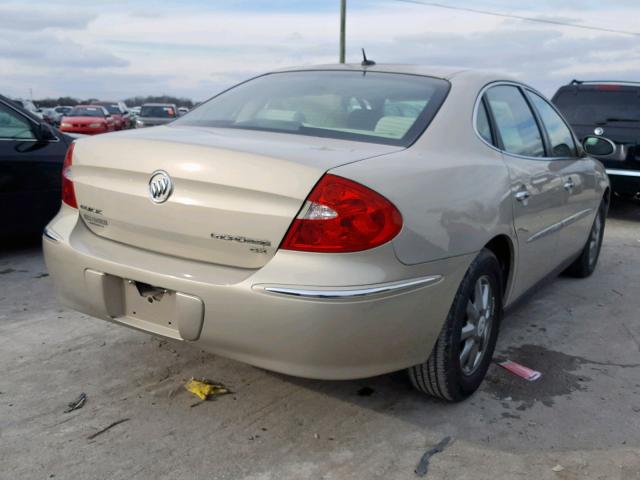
(537, 56)
(195, 48)
(42, 50)
(36, 19)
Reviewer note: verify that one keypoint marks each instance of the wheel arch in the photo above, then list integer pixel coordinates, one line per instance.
(504, 250)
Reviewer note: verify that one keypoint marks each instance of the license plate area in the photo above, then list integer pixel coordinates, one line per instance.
(143, 306)
(150, 304)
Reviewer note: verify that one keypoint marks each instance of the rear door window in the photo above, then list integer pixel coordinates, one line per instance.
(560, 137)
(515, 122)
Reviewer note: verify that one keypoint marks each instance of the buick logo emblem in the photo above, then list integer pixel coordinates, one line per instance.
(599, 131)
(160, 186)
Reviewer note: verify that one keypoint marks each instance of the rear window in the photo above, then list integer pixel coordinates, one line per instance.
(606, 104)
(158, 112)
(87, 112)
(375, 107)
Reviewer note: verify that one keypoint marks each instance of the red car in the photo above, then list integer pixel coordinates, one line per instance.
(119, 112)
(88, 119)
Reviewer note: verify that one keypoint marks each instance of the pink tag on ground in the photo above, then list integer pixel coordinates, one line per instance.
(520, 370)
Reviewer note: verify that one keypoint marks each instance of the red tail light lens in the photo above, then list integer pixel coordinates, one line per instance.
(342, 216)
(68, 192)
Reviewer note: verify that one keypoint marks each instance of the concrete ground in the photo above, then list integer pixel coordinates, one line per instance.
(580, 420)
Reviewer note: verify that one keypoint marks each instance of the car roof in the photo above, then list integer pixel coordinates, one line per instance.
(158, 105)
(587, 83)
(465, 78)
(442, 72)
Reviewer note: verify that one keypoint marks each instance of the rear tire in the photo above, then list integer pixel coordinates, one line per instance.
(586, 263)
(462, 354)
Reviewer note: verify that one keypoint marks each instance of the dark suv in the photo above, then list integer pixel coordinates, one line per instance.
(610, 110)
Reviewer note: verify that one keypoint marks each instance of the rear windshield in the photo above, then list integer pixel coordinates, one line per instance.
(158, 112)
(387, 108)
(599, 105)
(87, 112)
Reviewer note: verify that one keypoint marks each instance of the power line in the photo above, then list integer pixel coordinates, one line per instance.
(520, 17)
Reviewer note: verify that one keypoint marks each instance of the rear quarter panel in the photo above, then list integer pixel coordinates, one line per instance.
(452, 190)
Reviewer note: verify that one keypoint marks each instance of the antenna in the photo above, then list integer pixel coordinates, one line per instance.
(365, 61)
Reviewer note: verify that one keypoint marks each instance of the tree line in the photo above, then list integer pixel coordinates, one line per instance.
(131, 102)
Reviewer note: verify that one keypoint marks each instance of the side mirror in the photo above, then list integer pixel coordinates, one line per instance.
(598, 146)
(44, 132)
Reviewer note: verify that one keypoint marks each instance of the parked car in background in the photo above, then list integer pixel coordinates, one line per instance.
(152, 114)
(50, 116)
(329, 224)
(119, 113)
(182, 111)
(28, 105)
(63, 109)
(31, 157)
(88, 120)
(611, 110)
(133, 115)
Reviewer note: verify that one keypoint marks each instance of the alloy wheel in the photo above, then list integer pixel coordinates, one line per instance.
(476, 331)
(595, 239)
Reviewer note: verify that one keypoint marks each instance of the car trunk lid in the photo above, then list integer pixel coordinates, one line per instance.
(235, 192)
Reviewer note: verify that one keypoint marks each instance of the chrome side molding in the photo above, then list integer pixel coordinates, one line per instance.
(349, 292)
(51, 235)
(557, 226)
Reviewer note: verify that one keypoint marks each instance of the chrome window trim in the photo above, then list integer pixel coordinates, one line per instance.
(504, 152)
(623, 173)
(347, 293)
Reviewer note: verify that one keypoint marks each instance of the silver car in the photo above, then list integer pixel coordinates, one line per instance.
(154, 114)
(334, 222)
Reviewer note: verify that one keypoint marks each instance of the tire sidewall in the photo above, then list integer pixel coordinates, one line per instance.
(485, 264)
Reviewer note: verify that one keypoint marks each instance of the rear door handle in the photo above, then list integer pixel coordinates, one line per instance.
(523, 197)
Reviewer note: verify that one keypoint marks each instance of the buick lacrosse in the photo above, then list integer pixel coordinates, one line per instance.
(333, 222)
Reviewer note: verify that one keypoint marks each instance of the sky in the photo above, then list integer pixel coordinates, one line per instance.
(114, 49)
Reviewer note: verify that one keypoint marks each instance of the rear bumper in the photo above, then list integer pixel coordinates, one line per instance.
(309, 315)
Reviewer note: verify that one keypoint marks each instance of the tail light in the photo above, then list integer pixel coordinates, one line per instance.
(68, 192)
(341, 216)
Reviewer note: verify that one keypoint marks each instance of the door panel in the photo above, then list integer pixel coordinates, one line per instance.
(580, 205)
(29, 174)
(536, 186)
(536, 219)
(577, 176)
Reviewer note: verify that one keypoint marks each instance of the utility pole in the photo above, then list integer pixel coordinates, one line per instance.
(343, 22)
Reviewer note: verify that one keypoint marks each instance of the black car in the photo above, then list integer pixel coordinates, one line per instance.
(31, 157)
(610, 110)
